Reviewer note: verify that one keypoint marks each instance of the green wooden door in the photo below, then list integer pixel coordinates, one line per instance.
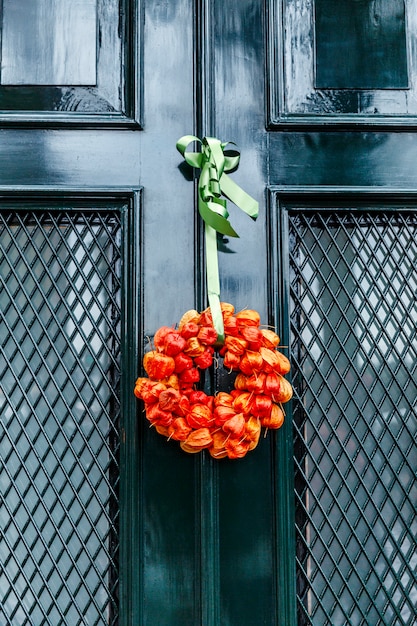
(101, 520)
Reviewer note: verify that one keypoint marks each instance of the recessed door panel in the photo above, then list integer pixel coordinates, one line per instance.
(352, 284)
(70, 63)
(60, 399)
(350, 62)
(54, 45)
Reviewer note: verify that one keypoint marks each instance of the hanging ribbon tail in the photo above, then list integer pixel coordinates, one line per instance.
(213, 282)
(240, 198)
(211, 217)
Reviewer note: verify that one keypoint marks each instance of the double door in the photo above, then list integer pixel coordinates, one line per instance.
(101, 520)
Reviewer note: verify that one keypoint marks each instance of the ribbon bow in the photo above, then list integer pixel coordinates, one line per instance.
(213, 183)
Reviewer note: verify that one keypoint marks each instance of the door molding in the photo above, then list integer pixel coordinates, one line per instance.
(115, 101)
(294, 102)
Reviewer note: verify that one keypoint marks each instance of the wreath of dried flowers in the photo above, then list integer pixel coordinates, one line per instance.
(227, 424)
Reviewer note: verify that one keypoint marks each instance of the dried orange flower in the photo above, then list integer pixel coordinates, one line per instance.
(194, 347)
(223, 399)
(158, 365)
(269, 338)
(160, 335)
(277, 361)
(285, 391)
(251, 362)
(235, 425)
(236, 449)
(182, 362)
(207, 335)
(156, 415)
(206, 318)
(275, 419)
(162, 430)
(204, 360)
(169, 399)
(190, 329)
(222, 414)
(253, 335)
(139, 385)
(253, 431)
(171, 381)
(174, 343)
(237, 345)
(256, 382)
(241, 382)
(197, 440)
(270, 358)
(199, 416)
(248, 317)
(197, 396)
(230, 326)
(190, 376)
(272, 383)
(189, 316)
(151, 390)
(231, 361)
(261, 405)
(217, 449)
(179, 429)
(243, 402)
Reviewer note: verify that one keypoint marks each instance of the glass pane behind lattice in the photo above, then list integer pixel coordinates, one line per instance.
(354, 345)
(59, 407)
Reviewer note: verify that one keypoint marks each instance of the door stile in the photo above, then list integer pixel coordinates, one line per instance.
(283, 479)
(131, 488)
(207, 471)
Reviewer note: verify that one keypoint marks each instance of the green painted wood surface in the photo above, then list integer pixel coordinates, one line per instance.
(203, 543)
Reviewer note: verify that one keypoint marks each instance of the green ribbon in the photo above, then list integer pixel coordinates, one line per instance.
(213, 183)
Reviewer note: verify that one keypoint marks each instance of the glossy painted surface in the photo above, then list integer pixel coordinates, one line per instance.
(54, 56)
(382, 95)
(71, 64)
(246, 489)
(212, 542)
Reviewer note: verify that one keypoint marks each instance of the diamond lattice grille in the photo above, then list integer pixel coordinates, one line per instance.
(59, 408)
(354, 344)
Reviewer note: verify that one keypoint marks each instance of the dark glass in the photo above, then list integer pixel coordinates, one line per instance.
(360, 44)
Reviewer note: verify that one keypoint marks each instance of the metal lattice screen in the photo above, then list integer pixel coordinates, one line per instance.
(59, 408)
(354, 345)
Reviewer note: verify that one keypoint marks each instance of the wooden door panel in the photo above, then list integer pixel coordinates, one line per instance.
(54, 56)
(367, 39)
(71, 64)
(350, 63)
(61, 326)
(350, 278)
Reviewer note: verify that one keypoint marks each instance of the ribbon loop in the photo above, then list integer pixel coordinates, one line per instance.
(213, 183)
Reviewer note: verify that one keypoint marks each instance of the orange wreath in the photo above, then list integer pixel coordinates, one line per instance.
(227, 424)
